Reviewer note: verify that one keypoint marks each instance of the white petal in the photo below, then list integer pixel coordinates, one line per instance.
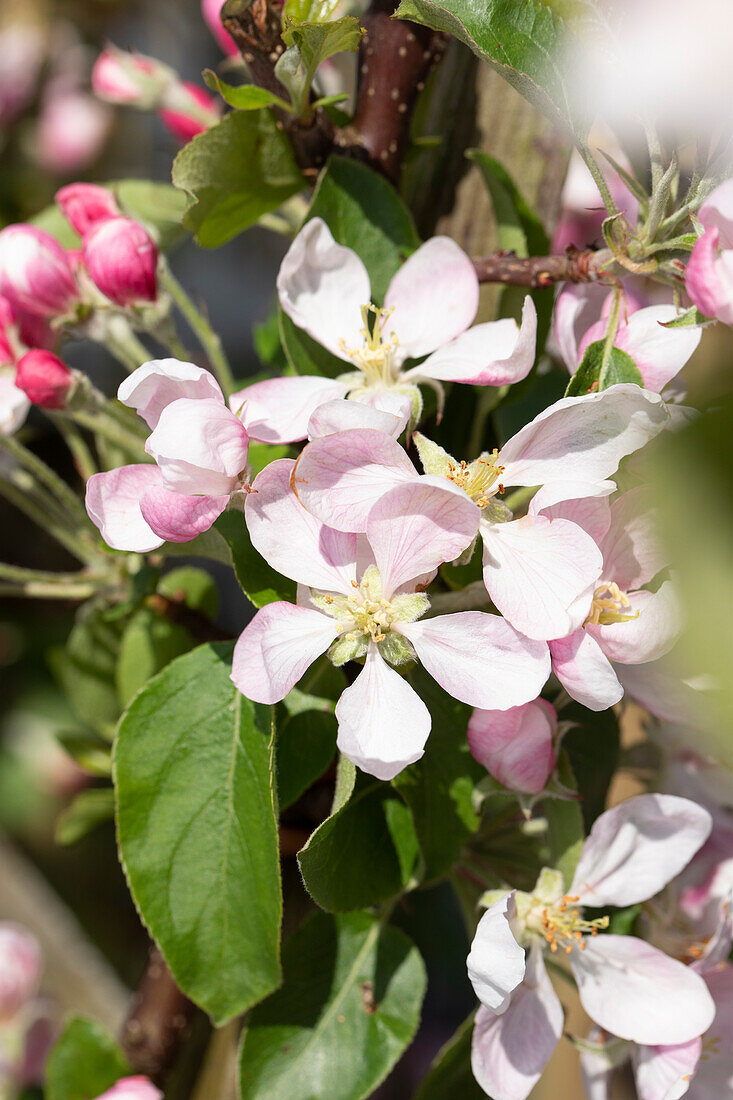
(496, 961)
(155, 384)
(497, 353)
(664, 1073)
(278, 409)
(291, 539)
(584, 671)
(636, 848)
(636, 992)
(113, 504)
(383, 723)
(200, 447)
(342, 415)
(322, 288)
(633, 552)
(480, 659)
(660, 353)
(584, 503)
(647, 637)
(433, 296)
(14, 405)
(576, 309)
(277, 647)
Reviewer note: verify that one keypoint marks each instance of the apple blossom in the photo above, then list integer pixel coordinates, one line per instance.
(44, 379)
(132, 1088)
(569, 448)
(122, 259)
(709, 271)
(20, 966)
(188, 110)
(428, 308)
(516, 745)
(363, 599)
(22, 48)
(35, 272)
(71, 131)
(626, 986)
(85, 204)
(14, 405)
(130, 78)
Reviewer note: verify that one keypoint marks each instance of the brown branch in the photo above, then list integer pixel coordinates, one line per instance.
(573, 266)
(158, 1022)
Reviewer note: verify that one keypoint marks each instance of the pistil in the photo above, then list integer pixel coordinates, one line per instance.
(609, 605)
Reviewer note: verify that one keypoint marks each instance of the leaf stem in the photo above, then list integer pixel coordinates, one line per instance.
(208, 339)
(80, 452)
(35, 466)
(598, 178)
(613, 322)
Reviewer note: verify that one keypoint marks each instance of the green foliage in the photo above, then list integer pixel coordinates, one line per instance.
(90, 808)
(305, 355)
(593, 752)
(91, 752)
(522, 39)
(85, 667)
(197, 830)
(234, 173)
(565, 829)
(306, 743)
(84, 1062)
(519, 229)
(598, 370)
(260, 582)
(147, 645)
(450, 1073)
(309, 45)
(348, 1008)
(309, 11)
(243, 97)
(363, 853)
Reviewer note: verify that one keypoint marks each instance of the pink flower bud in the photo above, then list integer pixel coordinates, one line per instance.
(189, 111)
(20, 968)
(121, 258)
(86, 204)
(72, 128)
(130, 78)
(7, 324)
(515, 745)
(35, 272)
(132, 1088)
(210, 9)
(44, 379)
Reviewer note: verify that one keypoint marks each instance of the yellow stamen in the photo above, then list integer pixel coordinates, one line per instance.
(567, 929)
(609, 606)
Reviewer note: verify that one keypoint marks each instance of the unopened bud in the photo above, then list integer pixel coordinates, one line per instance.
(189, 110)
(130, 78)
(515, 745)
(35, 272)
(72, 128)
(86, 204)
(132, 1088)
(44, 379)
(122, 258)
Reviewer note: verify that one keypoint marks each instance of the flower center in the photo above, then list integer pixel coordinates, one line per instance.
(565, 928)
(376, 357)
(609, 605)
(479, 479)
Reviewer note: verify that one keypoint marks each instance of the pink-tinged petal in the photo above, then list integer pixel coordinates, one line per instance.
(177, 517)
(509, 1052)
(132, 1088)
(480, 659)
(714, 1076)
(278, 409)
(578, 306)
(709, 277)
(664, 1073)
(342, 416)
(584, 671)
(660, 353)
(583, 503)
(633, 552)
(416, 527)
(20, 968)
(113, 504)
(276, 648)
(498, 353)
(515, 745)
(322, 288)
(495, 962)
(535, 568)
(717, 212)
(647, 637)
(383, 723)
(291, 539)
(339, 478)
(433, 297)
(588, 435)
(200, 447)
(636, 848)
(636, 992)
(663, 690)
(156, 384)
(14, 405)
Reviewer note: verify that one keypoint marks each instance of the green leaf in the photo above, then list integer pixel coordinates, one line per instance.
(90, 808)
(148, 644)
(84, 1062)
(244, 97)
(594, 373)
(687, 319)
(365, 213)
(450, 1073)
(315, 43)
(565, 830)
(305, 355)
(159, 206)
(234, 173)
(439, 787)
(309, 11)
(593, 751)
(349, 1007)
(519, 228)
(262, 454)
(364, 853)
(260, 582)
(85, 667)
(306, 743)
(523, 40)
(52, 221)
(195, 587)
(90, 751)
(197, 830)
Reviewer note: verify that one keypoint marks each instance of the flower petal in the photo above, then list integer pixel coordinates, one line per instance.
(709, 277)
(200, 447)
(664, 1073)
(339, 478)
(113, 504)
(584, 671)
(636, 992)
(633, 552)
(416, 527)
(177, 517)
(535, 568)
(496, 961)
(578, 306)
(515, 745)
(582, 502)
(277, 647)
(589, 434)
(717, 212)
(322, 287)
(660, 353)
(636, 848)
(14, 405)
(155, 384)
(291, 539)
(433, 297)
(714, 1077)
(647, 637)
(341, 416)
(383, 723)
(278, 409)
(510, 1052)
(480, 659)
(494, 354)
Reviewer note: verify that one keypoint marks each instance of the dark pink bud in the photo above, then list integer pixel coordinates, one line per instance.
(189, 111)
(86, 204)
(44, 379)
(35, 272)
(122, 258)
